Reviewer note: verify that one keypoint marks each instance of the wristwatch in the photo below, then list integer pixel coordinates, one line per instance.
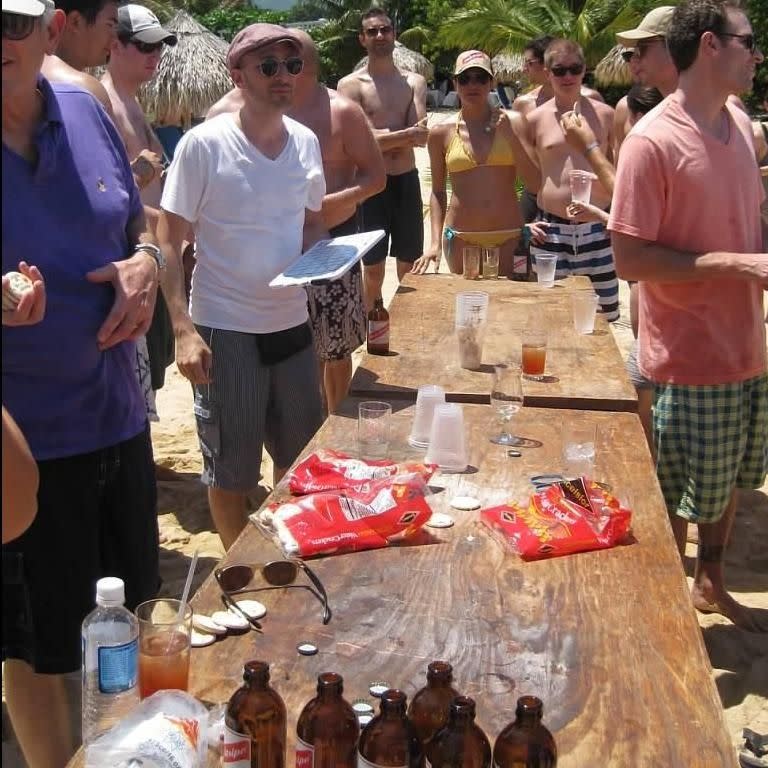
(155, 253)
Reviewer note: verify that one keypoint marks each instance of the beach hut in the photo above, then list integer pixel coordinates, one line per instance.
(507, 67)
(191, 76)
(408, 61)
(612, 69)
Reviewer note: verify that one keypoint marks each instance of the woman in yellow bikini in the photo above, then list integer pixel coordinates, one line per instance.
(482, 154)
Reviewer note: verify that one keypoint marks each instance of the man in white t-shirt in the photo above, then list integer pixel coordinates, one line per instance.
(251, 184)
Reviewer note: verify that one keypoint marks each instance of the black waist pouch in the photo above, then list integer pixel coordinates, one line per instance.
(280, 345)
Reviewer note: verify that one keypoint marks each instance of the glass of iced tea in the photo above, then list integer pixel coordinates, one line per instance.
(164, 642)
(534, 353)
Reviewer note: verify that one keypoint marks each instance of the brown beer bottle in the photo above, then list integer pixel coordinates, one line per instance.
(429, 707)
(255, 729)
(525, 742)
(378, 329)
(390, 740)
(461, 743)
(327, 729)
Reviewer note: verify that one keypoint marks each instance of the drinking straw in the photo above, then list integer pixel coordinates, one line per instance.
(184, 596)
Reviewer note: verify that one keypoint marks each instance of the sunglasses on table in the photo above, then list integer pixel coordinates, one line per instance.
(572, 69)
(376, 31)
(146, 48)
(748, 41)
(481, 78)
(17, 26)
(271, 66)
(278, 574)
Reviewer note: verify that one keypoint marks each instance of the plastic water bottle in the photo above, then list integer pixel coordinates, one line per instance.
(110, 660)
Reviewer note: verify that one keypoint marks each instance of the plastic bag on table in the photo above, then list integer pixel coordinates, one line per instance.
(327, 470)
(166, 730)
(564, 518)
(370, 516)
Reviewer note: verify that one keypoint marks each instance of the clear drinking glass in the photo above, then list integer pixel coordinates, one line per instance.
(471, 262)
(491, 263)
(506, 400)
(373, 425)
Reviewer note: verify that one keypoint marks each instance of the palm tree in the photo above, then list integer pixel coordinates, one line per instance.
(506, 25)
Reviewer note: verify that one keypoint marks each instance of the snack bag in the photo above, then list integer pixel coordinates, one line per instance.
(327, 470)
(566, 517)
(369, 516)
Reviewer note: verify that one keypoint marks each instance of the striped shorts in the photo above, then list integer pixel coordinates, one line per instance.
(709, 440)
(249, 405)
(582, 249)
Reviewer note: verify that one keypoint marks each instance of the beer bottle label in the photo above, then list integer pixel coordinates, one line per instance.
(520, 264)
(305, 754)
(237, 749)
(363, 763)
(378, 332)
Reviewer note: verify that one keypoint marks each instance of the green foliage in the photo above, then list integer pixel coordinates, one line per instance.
(758, 15)
(227, 22)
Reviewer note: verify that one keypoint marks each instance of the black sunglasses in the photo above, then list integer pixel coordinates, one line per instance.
(17, 26)
(573, 69)
(146, 47)
(748, 41)
(481, 77)
(271, 66)
(376, 31)
(628, 54)
(234, 580)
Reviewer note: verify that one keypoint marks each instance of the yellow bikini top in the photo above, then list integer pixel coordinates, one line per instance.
(458, 159)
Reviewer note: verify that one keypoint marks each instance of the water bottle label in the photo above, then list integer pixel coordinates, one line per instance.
(237, 749)
(305, 754)
(118, 667)
(363, 763)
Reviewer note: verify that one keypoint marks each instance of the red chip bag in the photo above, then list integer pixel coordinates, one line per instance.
(368, 517)
(327, 470)
(567, 517)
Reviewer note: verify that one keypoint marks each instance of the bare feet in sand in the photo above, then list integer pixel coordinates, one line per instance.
(166, 473)
(726, 606)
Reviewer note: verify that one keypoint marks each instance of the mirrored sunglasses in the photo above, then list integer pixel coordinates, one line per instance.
(573, 69)
(271, 66)
(147, 48)
(18, 27)
(481, 77)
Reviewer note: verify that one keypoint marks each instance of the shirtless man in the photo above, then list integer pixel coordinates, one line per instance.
(84, 41)
(583, 247)
(396, 105)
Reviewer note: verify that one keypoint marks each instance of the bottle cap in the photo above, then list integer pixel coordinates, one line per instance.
(110, 591)
(307, 649)
(362, 707)
(378, 688)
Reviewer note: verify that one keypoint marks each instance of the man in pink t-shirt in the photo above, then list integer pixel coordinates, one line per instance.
(686, 222)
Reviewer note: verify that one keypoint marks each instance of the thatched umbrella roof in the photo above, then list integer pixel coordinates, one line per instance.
(407, 60)
(507, 67)
(191, 76)
(612, 69)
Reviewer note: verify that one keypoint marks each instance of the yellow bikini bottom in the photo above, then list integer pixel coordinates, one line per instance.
(490, 239)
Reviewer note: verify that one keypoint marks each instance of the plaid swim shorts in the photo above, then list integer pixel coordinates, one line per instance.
(709, 440)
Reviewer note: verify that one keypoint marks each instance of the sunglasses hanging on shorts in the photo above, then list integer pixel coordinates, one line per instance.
(271, 66)
(481, 78)
(17, 26)
(147, 48)
(573, 69)
(748, 41)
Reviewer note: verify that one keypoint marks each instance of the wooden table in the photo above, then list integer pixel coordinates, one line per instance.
(583, 371)
(609, 640)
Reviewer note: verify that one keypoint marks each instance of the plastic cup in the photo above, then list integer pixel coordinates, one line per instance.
(373, 425)
(471, 262)
(581, 186)
(534, 353)
(429, 396)
(447, 444)
(471, 305)
(584, 305)
(579, 441)
(165, 633)
(545, 270)
(470, 342)
(491, 263)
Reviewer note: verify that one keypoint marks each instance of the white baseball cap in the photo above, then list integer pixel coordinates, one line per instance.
(27, 7)
(139, 23)
(655, 23)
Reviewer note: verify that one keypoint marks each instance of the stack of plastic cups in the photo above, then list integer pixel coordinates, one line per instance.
(471, 317)
(447, 443)
(430, 395)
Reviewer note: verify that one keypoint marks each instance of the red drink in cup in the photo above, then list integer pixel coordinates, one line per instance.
(163, 663)
(534, 359)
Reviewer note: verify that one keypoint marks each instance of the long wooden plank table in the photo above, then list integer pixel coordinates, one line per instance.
(609, 640)
(583, 371)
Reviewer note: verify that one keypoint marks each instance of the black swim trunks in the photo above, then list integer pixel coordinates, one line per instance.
(399, 211)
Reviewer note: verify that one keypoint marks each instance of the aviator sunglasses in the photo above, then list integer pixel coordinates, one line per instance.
(271, 66)
(17, 26)
(234, 580)
(481, 77)
(376, 31)
(573, 69)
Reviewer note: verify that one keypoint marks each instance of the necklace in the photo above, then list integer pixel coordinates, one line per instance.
(489, 125)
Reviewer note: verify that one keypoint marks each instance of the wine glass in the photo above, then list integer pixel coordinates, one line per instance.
(506, 400)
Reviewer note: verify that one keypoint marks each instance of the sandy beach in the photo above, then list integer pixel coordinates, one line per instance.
(739, 659)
